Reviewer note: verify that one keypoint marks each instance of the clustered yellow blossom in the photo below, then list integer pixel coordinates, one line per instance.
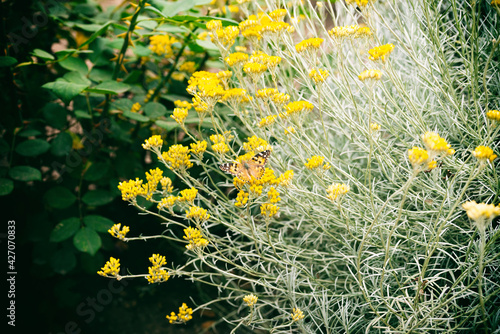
(156, 273)
(495, 3)
(277, 14)
(257, 144)
(482, 214)
(184, 315)
(167, 202)
(256, 189)
(241, 199)
(153, 176)
(207, 90)
(118, 232)
(298, 106)
(266, 93)
(196, 240)
(177, 157)
(131, 189)
(310, 44)
(370, 74)
(280, 99)
(224, 38)
(273, 195)
(250, 300)
(269, 210)
(153, 142)
(381, 52)
(270, 62)
(285, 179)
(220, 148)
(267, 121)
(231, 8)
(188, 66)
(179, 115)
(419, 158)
(289, 130)
(318, 75)
(166, 184)
(162, 45)
(374, 126)
(254, 70)
(494, 115)
(188, 195)
(183, 104)
(483, 153)
(197, 213)
(199, 148)
(111, 268)
(337, 190)
(235, 96)
(236, 59)
(316, 162)
(437, 145)
(297, 314)
(349, 32)
(136, 107)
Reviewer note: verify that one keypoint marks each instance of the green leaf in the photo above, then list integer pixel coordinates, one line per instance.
(167, 125)
(98, 33)
(65, 229)
(122, 104)
(62, 144)
(75, 64)
(55, 115)
(96, 171)
(66, 91)
(97, 197)
(63, 261)
(25, 173)
(135, 116)
(59, 197)
(98, 223)
(33, 147)
(7, 61)
(6, 186)
(42, 54)
(87, 240)
(207, 45)
(77, 77)
(100, 74)
(141, 51)
(29, 133)
(172, 8)
(82, 114)
(154, 109)
(109, 87)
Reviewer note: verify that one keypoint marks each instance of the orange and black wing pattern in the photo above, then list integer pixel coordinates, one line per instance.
(246, 170)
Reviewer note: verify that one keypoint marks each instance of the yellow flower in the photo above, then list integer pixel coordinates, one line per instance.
(241, 199)
(298, 106)
(250, 300)
(273, 195)
(254, 70)
(433, 142)
(172, 317)
(236, 59)
(370, 74)
(177, 157)
(180, 115)
(235, 96)
(381, 52)
(268, 210)
(188, 66)
(131, 189)
(185, 313)
(337, 190)
(220, 148)
(277, 14)
(225, 37)
(266, 93)
(214, 25)
(374, 126)
(162, 45)
(158, 260)
(256, 189)
(136, 107)
(198, 148)
(153, 142)
(483, 153)
(255, 143)
(224, 75)
(318, 75)
(166, 184)
(494, 115)
(480, 211)
(197, 213)
(196, 240)
(285, 179)
(157, 275)
(216, 139)
(188, 195)
(289, 130)
(168, 202)
(118, 232)
(232, 9)
(111, 268)
(418, 156)
(280, 99)
(316, 161)
(267, 121)
(495, 2)
(309, 44)
(183, 104)
(297, 314)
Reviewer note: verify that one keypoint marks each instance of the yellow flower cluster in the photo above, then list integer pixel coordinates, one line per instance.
(266, 93)
(318, 75)
(267, 121)
(118, 232)
(277, 14)
(374, 126)
(177, 158)
(419, 158)
(254, 70)
(310, 44)
(224, 37)
(250, 300)
(131, 189)
(257, 144)
(183, 104)
(231, 8)
(153, 142)
(271, 62)
(196, 240)
(167, 202)
(285, 179)
(297, 314)
(235, 96)
(166, 184)
(179, 115)
(136, 107)
(205, 86)
(188, 195)
(236, 59)
(483, 153)
(349, 32)
(337, 190)
(437, 145)
(199, 148)
(273, 195)
(162, 45)
(280, 99)
(381, 52)
(269, 210)
(198, 214)
(289, 130)
(316, 162)
(184, 315)
(370, 74)
(188, 66)
(494, 115)
(481, 211)
(298, 106)
(111, 268)
(156, 273)
(241, 199)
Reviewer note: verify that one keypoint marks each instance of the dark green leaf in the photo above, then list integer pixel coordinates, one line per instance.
(97, 197)
(87, 240)
(154, 109)
(29, 133)
(141, 50)
(7, 61)
(66, 91)
(96, 171)
(100, 74)
(25, 173)
(42, 54)
(59, 197)
(109, 87)
(98, 223)
(33, 147)
(75, 64)
(98, 33)
(167, 125)
(62, 144)
(65, 229)
(55, 115)
(6, 186)
(135, 116)
(122, 104)
(82, 114)
(63, 261)
(77, 77)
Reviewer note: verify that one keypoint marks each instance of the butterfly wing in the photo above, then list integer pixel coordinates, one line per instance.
(256, 164)
(237, 170)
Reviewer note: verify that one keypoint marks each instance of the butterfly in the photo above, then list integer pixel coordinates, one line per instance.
(248, 169)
